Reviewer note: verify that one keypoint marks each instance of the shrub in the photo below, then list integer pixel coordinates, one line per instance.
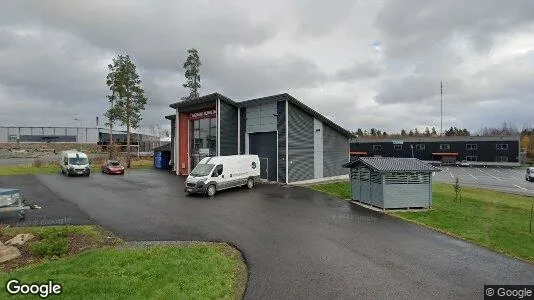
(37, 163)
(52, 233)
(50, 247)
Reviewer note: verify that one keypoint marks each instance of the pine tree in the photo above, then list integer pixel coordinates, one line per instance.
(192, 68)
(128, 97)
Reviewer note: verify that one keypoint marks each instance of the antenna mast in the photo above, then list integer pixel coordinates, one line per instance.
(441, 92)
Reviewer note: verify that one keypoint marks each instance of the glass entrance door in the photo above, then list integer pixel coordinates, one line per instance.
(203, 139)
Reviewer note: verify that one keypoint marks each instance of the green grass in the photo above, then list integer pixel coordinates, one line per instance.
(189, 270)
(89, 230)
(338, 189)
(144, 163)
(28, 169)
(496, 220)
(162, 272)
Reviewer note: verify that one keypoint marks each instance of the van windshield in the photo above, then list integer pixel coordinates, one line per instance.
(202, 170)
(78, 161)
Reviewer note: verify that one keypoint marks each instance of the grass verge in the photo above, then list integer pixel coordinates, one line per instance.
(496, 220)
(106, 268)
(28, 169)
(50, 168)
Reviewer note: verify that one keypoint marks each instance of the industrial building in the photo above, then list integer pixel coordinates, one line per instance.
(475, 150)
(293, 141)
(79, 135)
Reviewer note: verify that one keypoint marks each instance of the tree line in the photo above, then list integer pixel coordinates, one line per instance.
(373, 132)
(127, 99)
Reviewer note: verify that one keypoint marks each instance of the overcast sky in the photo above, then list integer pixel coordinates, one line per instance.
(361, 63)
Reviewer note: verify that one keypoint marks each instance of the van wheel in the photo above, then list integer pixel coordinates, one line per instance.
(211, 190)
(250, 183)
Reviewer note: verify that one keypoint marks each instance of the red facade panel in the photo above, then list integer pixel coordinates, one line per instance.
(183, 137)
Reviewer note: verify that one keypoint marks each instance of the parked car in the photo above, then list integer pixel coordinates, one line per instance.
(464, 163)
(112, 167)
(529, 176)
(217, 173)
(74, 162)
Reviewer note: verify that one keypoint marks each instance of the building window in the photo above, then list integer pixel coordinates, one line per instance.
(397, 147)
(203, 139)
(444, 147)
(12, 138)
(472, 147)
(420, 147)
(502, 146)
(377, 147)
(501, 159)
(471, 158)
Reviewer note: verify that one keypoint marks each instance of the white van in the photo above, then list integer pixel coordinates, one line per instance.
(529, 176)
(73, 162)
(217, 173)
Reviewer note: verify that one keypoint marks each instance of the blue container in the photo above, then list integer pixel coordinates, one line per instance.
(158, 160)
(165, 158)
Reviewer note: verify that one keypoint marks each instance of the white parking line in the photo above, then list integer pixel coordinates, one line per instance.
(469, 173)
(451, 174)
(524, 189)
(490, 175)
(517, 172)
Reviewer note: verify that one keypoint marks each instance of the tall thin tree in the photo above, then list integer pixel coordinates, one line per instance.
(192, 69)
(130, 98)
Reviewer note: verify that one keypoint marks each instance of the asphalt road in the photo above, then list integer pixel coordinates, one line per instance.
(299, 244)
(501, 179)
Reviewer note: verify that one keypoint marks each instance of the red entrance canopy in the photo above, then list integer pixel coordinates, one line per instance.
(446, 154)
(358, 153)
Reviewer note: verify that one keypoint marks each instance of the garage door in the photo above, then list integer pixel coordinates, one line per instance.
(263, 144)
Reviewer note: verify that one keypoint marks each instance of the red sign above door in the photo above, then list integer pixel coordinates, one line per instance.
(211, 113)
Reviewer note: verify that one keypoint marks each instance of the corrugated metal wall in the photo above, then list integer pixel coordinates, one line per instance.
(300, 145)
(228, 129)
(281, 126)
(261, 118)
(336, 152)
(243, 129)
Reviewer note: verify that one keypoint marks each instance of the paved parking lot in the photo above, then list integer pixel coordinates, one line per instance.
(502, 179)
(298, 243)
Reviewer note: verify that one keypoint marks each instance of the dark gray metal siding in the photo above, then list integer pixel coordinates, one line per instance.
(281, 126)
(228, 129)
(335, 152)
(173, 137)
(243, 125)
(300, 145)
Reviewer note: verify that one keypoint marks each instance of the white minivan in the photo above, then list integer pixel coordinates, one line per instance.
(217, 173)
(74, 162)
(529, 175)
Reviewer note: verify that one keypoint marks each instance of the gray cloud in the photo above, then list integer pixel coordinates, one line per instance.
(359, 71)
(53, 57)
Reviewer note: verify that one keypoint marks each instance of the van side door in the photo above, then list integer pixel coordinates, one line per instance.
(218, 177)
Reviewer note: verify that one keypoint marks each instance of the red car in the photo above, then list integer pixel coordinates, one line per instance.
(112, 167)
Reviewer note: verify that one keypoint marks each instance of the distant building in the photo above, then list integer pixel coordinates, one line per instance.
(483, 150)
(80, 135)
